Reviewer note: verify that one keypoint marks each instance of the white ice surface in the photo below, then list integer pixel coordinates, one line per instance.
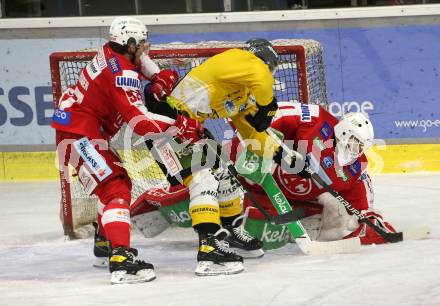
(37, 267)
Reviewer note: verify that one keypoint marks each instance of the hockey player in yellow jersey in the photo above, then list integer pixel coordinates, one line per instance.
(235, 84)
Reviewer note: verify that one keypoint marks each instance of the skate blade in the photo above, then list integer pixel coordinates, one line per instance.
(248, 254)
(209, 268)
(122, 277)
(101, 262)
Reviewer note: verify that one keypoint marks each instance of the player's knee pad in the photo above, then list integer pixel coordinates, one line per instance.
(229, 195)
(203, 192)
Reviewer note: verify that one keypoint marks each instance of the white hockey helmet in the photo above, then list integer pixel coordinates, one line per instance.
(354, 134)
(123, 28)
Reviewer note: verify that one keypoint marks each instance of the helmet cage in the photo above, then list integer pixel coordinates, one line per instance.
(354, 135)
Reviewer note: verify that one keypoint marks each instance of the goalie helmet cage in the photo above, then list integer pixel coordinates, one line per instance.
(299, 77)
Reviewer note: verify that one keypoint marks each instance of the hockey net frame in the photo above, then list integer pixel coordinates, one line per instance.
(300, 77)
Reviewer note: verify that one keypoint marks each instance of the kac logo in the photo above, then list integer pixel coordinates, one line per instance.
(327, 162)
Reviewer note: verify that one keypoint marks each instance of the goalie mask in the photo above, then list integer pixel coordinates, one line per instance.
(124, 30)
(263, 49)
(354, 134)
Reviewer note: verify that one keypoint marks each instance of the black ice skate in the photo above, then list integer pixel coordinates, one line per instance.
(127, 269)
(101, 249)
(215, 257)
(242, 242)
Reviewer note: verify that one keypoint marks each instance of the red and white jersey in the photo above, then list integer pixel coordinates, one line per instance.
(308, 128)
(107, 94)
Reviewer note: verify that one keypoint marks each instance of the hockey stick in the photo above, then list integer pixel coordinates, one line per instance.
(417, 233)
(302, 239)
(294, 215)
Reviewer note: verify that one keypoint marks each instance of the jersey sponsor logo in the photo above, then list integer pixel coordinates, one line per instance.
(101, 60)
(113, 64)
(327, 162)
(326, 131)
(319, 143)
(87, 180)
(93, 69)
(305, 113)
(211, 193)
(61, 117)
(92, 158)
(169, 159)
(204, 210)
(341, 174)
(293, 184)
(242, 107)
(229, 107)
(354, 168)
(363, 176)
(128, 83)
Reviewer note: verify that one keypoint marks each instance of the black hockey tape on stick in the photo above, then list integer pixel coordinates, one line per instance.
(291, 216)
(390, 237)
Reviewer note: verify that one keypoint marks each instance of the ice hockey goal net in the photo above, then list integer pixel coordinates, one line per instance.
(299, 77)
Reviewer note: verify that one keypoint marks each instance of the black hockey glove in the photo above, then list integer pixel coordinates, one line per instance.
(290, 164)
(262, 119)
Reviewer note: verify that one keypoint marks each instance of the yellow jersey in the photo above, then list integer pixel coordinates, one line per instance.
(225, 85)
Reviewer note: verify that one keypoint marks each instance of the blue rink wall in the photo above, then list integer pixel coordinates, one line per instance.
(390, 72)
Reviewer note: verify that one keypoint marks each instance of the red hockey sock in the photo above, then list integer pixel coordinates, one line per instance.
(116, 221)
(101, 231)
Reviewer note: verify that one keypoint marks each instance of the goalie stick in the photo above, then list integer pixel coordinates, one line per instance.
(416, 233)
(302, 239)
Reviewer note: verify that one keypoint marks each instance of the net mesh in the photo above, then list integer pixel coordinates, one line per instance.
(299, 77)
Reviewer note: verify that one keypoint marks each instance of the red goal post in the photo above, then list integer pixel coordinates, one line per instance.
(299, 77)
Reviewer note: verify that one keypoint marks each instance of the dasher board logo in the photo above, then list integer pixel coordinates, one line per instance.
(92, 158)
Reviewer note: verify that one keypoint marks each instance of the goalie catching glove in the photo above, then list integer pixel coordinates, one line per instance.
(262, 119)
(162, 83)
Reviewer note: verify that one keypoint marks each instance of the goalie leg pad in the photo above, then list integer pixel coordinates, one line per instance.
(150, 224)
(336, 222)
